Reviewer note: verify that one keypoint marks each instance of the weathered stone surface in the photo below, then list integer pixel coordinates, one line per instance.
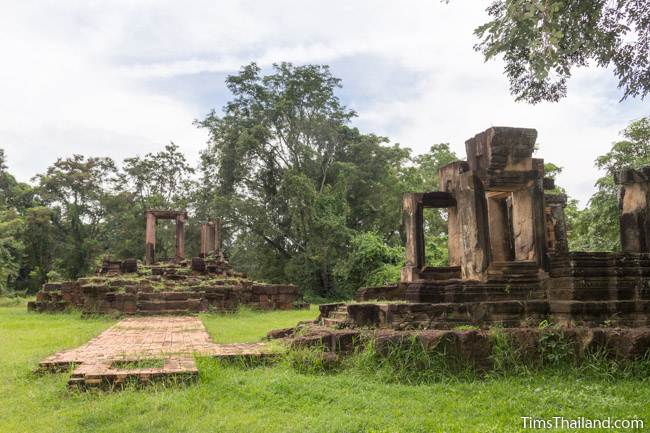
(169, 292)
(173, 341)
(634, 204)
(476, 348)
(380, 293)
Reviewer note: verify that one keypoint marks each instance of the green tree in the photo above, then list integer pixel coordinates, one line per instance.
(11, 248)
(16, 198)
(596, 228)
(40, 241)
(292, 179)
(543, 41)
(74, 188)
(369, 262)
(161, 180)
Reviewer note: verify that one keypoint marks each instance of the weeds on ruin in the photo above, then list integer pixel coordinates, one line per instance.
(602, 365)
(556, 351)
(553, 351)
(506, 357)
(408, 361)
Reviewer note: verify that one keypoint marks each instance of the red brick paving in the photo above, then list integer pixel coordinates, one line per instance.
(172, 339)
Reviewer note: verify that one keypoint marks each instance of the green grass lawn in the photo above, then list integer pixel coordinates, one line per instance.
(229, 398)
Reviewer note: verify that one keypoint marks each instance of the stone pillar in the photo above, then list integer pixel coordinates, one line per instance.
(211, 237)
(473, 223)
(413, 216)
(204, 240)
(537, 190)
(454, 249)
(523, 222)
(449, 179)
(180, 238)
(150, 239)
(217, 235)
(557, 241)
(634, 204)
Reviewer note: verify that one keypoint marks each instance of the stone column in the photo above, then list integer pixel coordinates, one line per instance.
(556, 235)
(634, 204)
(150, 239)
(204, 240)
(211, 237)
(180, 238)
(453, 240)
(217, 235)
(449, 179)
(474, 230)
(413, 214)
(523, 222)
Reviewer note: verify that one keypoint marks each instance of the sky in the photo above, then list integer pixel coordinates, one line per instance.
(124, 78)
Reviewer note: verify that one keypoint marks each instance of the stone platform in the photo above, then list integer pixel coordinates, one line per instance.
(144, 349)
(580, 289)
(477, 347)
(168, 289)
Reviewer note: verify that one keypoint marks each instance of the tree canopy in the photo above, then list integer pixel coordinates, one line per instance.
(542, 42)
(296, 181)
(596, 228)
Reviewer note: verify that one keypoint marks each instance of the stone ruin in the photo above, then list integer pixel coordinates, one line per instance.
(151, 217)
(174, 286)
(509, 263)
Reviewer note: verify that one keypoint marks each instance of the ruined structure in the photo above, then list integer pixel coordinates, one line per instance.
(179, 286)
(509, 261)
(152, 216)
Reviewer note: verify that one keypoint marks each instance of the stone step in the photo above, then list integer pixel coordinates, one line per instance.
(170, 296)
(332, 322)
(169, 312)
(338, 314)
(187, 305)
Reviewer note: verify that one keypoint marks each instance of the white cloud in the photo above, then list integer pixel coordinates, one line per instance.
(77, 76)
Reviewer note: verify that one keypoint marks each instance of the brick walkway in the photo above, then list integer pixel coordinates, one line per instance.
(170, 340)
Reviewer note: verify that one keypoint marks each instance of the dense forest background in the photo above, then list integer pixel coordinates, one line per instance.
(304, 195)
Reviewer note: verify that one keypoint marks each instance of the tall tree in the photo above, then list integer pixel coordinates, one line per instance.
(542, 41)
(74, 189)
(161, 180)
(11, 248)
(293, 179)
(596, 228)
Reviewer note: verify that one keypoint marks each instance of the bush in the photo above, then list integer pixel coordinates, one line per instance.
(369, 262)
